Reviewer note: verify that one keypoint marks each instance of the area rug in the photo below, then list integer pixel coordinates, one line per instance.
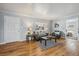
(50, 44)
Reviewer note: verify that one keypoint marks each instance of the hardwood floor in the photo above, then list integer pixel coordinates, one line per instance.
(31, 48)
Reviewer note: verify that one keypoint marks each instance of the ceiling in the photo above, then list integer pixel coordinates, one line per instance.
(42, 10)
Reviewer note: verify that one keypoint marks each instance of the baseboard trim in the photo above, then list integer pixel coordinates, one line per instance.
(13, 41)
(2, 43)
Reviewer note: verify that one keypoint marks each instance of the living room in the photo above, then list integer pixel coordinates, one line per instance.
(39, 29)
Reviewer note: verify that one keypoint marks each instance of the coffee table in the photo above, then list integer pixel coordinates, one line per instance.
(45, 38)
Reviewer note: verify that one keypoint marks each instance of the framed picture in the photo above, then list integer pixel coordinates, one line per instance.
(56, 25)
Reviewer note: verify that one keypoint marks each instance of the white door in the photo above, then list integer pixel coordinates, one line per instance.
(11, 29)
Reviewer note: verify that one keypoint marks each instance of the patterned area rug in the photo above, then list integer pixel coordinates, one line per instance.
(50, 44)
